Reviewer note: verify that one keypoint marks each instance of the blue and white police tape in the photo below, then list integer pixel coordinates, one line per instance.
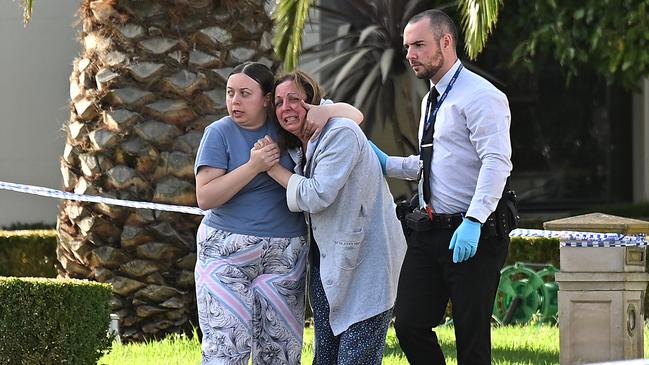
(602, 244)
(584, 239)
(566, 238)
(38, 190)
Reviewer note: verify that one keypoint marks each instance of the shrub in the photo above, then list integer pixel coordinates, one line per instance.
(28, 226)
(536, 250)
(47, 321)
(28, 253)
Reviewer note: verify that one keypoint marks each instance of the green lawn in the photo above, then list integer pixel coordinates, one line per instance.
(511, 345)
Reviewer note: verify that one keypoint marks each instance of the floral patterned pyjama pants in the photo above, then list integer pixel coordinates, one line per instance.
(250, 297)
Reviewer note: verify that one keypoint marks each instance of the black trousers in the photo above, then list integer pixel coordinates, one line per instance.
(429, 279)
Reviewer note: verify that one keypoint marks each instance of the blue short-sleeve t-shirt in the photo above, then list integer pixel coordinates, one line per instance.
(260, 208)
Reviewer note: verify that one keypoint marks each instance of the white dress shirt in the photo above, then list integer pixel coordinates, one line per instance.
(471, 148)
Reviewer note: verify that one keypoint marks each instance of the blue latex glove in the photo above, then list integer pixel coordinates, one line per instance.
(464, 242)
(383, 157)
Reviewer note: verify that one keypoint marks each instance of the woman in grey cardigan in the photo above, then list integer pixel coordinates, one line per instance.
(358, 244)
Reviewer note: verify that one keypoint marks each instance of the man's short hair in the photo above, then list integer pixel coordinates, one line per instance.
(439, 22)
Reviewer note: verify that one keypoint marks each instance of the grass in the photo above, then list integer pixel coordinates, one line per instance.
(173, 349)
(519, 345)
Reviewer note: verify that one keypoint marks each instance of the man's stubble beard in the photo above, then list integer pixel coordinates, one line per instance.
(431, 69)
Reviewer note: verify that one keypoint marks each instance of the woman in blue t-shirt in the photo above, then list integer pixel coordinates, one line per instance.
(251, 248)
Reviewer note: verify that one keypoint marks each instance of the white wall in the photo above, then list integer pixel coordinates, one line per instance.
(35, 64)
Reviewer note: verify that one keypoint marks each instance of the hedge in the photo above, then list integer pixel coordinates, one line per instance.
(537, 250)
(28, 253)
(47, 321)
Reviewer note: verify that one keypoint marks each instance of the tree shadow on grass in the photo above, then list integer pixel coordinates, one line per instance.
(525, 356)
(499, 355)
(392, 348)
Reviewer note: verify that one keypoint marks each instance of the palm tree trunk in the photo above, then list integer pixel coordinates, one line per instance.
(150, 76)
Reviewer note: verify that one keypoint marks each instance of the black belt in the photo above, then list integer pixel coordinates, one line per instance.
(420, 221)
(498, 224)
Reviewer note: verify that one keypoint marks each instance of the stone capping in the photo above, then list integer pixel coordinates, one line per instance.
(599, 222)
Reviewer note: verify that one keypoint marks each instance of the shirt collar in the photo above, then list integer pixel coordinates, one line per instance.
(443, 82)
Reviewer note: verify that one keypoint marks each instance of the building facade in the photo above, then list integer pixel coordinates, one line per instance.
(35, 64)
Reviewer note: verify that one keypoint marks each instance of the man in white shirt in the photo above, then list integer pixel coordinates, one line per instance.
(456, 247)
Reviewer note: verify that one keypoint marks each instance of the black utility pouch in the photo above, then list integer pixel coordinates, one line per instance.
(512, 208)
(407, 206)
(404, 208)
(507, 218)
(418, 221)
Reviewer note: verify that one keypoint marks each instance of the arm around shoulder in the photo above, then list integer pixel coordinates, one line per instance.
(345, 110)
(333, 162)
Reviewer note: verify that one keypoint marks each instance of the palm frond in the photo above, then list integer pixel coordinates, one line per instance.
(366, 86)
(333, 62)
(478, 19)
(386, 63)
(367, 31)
(326, 44)
(349, 66)
(329, 10)
(290, 17)
(27, 6)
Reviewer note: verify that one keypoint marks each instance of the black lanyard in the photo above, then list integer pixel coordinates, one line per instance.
(431, 117)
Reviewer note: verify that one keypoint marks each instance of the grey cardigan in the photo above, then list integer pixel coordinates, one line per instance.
(354, 223)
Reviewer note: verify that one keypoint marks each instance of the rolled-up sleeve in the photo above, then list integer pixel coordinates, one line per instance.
(403, 167)
(292, 190)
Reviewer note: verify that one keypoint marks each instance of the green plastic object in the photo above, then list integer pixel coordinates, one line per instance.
(550, 295)
(525, 294)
